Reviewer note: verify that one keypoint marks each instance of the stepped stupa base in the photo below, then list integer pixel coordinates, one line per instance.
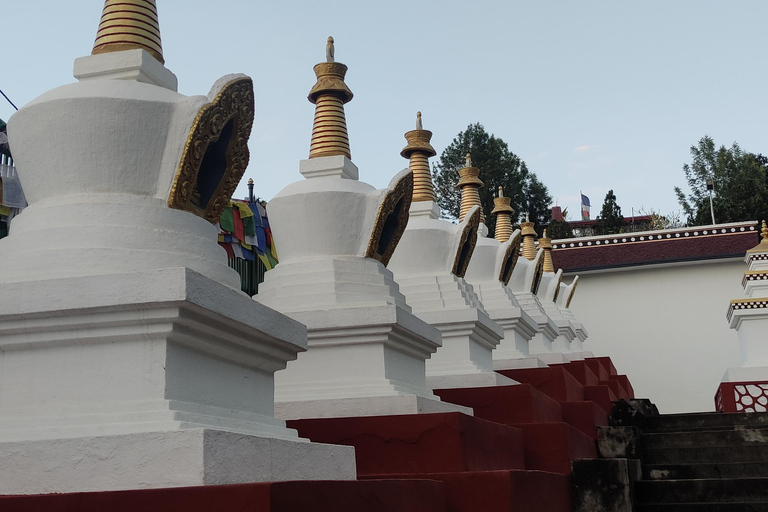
(579, 356)
(370, 406)
(472, 380)
(522, 362)
(181, 458)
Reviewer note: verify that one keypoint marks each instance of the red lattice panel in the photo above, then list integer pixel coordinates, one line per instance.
(742, 397)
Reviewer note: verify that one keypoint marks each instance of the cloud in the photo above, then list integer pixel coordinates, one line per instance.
(583, 149)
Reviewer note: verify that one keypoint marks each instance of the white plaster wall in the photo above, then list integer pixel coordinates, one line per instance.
(664, 326)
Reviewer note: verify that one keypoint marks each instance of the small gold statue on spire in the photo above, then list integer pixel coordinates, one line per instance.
(419, 126)
(468, 161)
(329, 50)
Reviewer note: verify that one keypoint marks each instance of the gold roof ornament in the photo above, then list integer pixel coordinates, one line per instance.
(469, 184)
(763, 245)
(418, 152)
(529, 236)
(129, 25)
(503, 210)
(546, 244)
(329, 94)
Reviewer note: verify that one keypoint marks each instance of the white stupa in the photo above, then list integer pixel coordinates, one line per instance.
(429, 266)
(525, 282)
(130, 358)
(745, 388)
(336, 234)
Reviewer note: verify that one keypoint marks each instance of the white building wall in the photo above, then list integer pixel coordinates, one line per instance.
(664, 326)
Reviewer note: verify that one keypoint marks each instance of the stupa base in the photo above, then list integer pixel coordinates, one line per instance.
(579, 356)
(473, 380)
(179, 458)
(523, 362)
(369, 406)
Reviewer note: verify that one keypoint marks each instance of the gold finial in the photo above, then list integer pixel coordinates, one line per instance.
(329, 94)
(503, 210)
(529, 236)
(250, 181)
(469, 184)
(763, 245)
(418, 152)
(546, 244)
(129, 25)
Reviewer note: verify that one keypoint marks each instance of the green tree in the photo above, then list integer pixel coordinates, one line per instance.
(559, 229)
(740, 184)
(498, 167)
(611, 221)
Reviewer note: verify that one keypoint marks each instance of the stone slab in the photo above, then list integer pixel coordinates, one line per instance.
(165, 459)
(368, 406)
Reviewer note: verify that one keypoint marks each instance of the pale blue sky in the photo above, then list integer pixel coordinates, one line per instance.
(591, 94)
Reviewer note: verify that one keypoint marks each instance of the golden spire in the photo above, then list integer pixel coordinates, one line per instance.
(503, 211)
(546, 244)
(330, 93)
(529, 236)
(129, 25)
(470, 184)
(763, 245)
(418, 152)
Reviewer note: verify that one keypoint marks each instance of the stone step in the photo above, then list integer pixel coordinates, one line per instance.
(553, 381)
(706, 454)
(552, 446)
(703, 507)
(705, 421)
(420, 443)
(510, 491)
(607, 364)
(322, 496)
(738, 490)
(699, 471)
(506, 404)
(738, 436)
(624, 381)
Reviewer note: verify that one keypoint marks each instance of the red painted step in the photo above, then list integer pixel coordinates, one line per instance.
(585, 416)
(582, 372)
(420, 443)
(624, 381)
(508, 491)
(338, 496)
(554, 381)
(597, 368)
(607, 364)
(601, 395)
(616, 388)
(552, 446)
(506, 404)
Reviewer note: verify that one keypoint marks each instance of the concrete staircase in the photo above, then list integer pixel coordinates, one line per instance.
(682, 462)
(704, 462)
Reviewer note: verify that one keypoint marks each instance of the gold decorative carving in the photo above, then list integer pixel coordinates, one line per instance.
(513, 251)
(329, 94)
(570, 295)
(538, 274)
(234, 103)
(467, 244)
(557, 288)
(391, 220)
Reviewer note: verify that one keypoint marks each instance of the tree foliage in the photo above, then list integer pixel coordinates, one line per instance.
(498, 167)
(611, 220)
(740, 180)
(559, 229)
